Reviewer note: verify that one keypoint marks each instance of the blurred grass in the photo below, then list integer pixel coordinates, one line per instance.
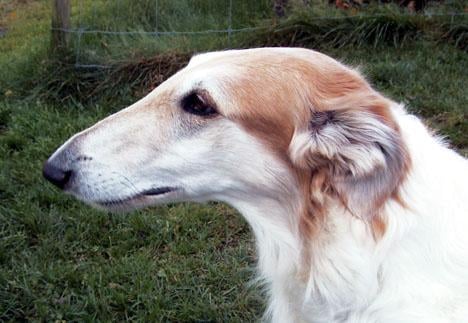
(61, 260)
(374, 25)
(163, 16)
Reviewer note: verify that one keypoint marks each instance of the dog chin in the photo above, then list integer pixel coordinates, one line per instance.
(127, 204)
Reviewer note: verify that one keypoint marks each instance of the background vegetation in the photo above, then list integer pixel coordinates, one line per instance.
(61, 260)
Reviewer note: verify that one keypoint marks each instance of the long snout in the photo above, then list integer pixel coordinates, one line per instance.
(118, 162)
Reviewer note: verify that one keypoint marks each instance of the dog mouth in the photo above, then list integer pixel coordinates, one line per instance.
(158, 191)
(134, 199)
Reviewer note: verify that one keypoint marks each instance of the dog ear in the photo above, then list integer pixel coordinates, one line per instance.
(359, 148)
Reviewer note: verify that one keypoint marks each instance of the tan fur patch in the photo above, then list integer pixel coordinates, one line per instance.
(276, 95)
(378, 227)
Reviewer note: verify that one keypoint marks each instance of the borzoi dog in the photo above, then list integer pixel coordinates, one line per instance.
(358, 211)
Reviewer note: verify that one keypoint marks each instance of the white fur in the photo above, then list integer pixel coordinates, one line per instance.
(418, 270)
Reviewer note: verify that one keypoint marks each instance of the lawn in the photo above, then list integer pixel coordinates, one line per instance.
(61, 260)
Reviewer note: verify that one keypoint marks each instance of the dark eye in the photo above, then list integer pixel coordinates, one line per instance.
(196, 103)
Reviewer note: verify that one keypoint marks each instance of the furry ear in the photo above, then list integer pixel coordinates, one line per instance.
(362, 156)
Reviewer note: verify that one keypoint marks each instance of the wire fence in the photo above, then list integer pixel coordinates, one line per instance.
(157, 21)
(90, 19)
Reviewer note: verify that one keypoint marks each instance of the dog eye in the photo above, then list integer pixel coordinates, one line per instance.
(194, 103)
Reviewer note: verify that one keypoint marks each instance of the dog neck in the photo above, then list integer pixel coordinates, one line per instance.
(274, 224)
(314, 268)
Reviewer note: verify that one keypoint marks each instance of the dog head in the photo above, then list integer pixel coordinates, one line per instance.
(239, 125)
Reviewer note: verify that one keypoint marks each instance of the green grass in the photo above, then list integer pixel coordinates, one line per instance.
(61, 260)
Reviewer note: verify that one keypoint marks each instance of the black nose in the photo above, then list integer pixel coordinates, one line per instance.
(55, 175)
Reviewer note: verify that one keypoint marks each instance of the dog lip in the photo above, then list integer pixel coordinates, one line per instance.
(158, 191)
(150, 192)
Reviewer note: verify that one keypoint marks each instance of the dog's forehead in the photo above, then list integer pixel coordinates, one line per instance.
(248, 64)
(221, 67)
(224, 57)
(259, 54)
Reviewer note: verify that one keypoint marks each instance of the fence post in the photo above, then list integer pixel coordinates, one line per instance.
(60, 23)
(279, 6)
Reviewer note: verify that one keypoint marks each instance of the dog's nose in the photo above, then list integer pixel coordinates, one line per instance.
(57, 176)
